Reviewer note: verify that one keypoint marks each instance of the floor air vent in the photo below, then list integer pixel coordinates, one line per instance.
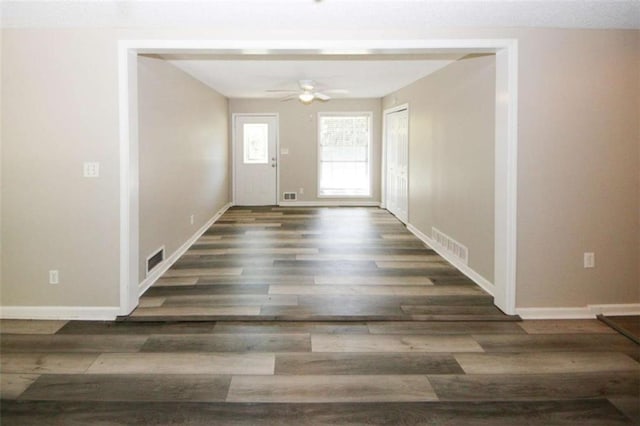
(450, 245)
(155, 259)
(290, 196)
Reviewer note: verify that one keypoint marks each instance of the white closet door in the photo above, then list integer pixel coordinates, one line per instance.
(397, 162)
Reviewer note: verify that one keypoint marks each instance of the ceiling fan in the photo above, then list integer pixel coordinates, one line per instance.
(307, 92)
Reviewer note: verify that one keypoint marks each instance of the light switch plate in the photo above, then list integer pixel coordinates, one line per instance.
(589, 260)
(91, 169)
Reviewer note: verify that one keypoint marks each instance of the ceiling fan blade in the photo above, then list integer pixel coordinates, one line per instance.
(321, 96)
(281, 90)
(307, 85)
(337, 91)
(289, 98)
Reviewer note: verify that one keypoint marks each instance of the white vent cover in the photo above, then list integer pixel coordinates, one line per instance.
(450, 245)
(290, 196)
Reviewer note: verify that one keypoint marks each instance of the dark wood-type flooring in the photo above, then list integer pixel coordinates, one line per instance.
(273, 263)
(629, 325)
(317, 354)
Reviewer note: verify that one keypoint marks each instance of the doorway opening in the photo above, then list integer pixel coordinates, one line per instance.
(505, 179)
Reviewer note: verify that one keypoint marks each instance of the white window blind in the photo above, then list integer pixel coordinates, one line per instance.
(344, 151)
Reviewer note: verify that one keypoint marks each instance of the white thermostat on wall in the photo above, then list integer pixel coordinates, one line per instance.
(284, 151)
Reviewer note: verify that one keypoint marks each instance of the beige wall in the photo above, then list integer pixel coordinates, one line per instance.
(578, 167)
(578, 171)
(183, 147)
(451, 155)
(298, 125)
(59, 109)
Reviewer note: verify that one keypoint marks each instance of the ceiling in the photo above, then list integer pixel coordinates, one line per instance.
(314, 20)
(346, 18)
(369, 77)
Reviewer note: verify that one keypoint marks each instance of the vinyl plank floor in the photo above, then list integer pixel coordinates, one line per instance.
(46, 363)
(13, 385)
(273, 327)
(546, 363)
(444, 327)
(141, 328)
(219, 342)
(450, 310)
(629, 406)
(217, 289)
(193, 311)
(409, 327)
(393, 343)
(508, 387)
(132, 387)
(166, 281)
(352, 388)
(372, 280)
(151, 301)
(70, 343)
(230, 300)
(8, 326)
(365, 290)
(365, 363)
(556, 343)
(184, 363)
(593, 412)
(202, 272)
(579, 326)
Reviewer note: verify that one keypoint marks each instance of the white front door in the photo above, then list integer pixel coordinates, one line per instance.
(255, 164)
(397, 162)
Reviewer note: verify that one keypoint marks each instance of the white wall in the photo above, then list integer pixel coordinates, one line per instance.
(298, 132)
(183, 148)
(451, 155)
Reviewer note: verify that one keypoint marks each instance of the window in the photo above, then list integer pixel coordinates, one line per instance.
(256, 143)
(343, 154)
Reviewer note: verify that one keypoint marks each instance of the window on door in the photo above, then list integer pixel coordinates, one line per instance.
(344, 154)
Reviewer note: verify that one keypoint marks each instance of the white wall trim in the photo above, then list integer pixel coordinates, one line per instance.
(586, 312)
(506, 177)
(616, 309)
(506, 135)
(161, 268)
(485, 284)
(88, 313)
(329, 204)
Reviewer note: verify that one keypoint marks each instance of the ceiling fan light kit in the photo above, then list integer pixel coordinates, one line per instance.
(306, 97)
(307, 94)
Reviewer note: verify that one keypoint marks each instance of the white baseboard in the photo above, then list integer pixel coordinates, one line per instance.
(159, 270)
(617, 309)
(94, 313)
(329, 204)
(585, 312)
(485, 284)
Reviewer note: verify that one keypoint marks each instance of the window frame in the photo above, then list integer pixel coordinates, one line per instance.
(369, 115)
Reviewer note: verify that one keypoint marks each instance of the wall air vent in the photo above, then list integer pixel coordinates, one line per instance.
(290, 196)
(155, 259)
(449, 245)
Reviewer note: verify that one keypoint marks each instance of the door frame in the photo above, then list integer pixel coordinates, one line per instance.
(383, 162)
(506, 130)
(234, 116)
